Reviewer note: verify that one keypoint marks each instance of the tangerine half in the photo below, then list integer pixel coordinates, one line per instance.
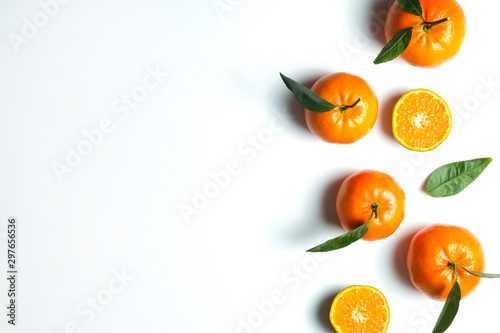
(421, 120)
(360, 309)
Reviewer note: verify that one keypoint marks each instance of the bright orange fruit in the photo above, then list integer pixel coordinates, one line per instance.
(343, 125)
(421, 120)
(429, 48)
(360, 309)
(430, 252)
(367, 192)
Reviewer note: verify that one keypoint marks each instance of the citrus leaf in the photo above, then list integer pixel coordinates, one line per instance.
(395, 47)
(450, 309)
(306, 97)
(481, 275)
(451, 179)
(343, 240)
(411, 6)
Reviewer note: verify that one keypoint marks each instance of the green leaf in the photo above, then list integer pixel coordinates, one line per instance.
(450, 309)
(452, 178)
(306, 97)
(411, 6)
(343, 240)
(482, 275)
(395, 47)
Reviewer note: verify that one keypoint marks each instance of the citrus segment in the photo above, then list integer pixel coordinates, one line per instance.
(359, 309)
(421, 120)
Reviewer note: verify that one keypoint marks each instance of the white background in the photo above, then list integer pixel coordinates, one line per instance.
(118, 210)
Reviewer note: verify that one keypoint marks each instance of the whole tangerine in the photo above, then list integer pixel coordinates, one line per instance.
(356, 114)
(371, 195)
(430, 45)
(431, 252)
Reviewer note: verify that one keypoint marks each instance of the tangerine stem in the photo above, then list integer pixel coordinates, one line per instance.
(429, 25)
(344, 108)
(454, 265)
(375, 208)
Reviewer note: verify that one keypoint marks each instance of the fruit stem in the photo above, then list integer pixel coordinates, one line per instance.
(454, 265)
(375, 208)
(343, 108)
(429, 25)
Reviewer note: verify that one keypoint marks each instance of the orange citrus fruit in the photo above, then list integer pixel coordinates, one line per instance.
(371, 192)
(358, 309)
(431, 250)
(344, 124)
(421, 120)
(429, 47)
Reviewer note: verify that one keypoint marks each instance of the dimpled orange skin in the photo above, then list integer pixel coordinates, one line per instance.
(357, 194)
(350, 126)
(430, 250)
(429, 49)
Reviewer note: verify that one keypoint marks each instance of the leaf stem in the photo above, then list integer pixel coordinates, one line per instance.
(375, 208)
(429, 25)
(453, 265)
(344, 108)
(479, 274)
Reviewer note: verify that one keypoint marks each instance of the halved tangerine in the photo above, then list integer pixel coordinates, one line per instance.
(421, 120)
(358, 309)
